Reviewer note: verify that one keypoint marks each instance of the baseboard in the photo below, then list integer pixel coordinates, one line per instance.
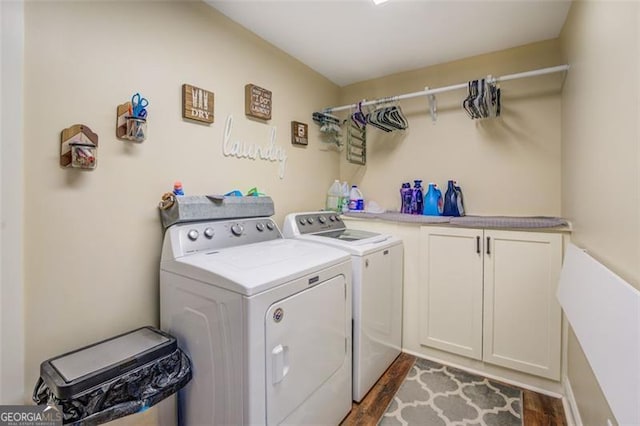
(487, 375)
(571, 411)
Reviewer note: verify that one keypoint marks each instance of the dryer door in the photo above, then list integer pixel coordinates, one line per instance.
(305, 345)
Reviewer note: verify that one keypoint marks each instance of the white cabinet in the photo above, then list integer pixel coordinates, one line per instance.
(522, 318)
(451, 290)
(490, 295)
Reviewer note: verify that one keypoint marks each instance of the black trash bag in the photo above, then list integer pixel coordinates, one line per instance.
(133, 392)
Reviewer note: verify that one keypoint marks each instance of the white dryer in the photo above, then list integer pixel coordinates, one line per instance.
(377, 261)
(266, 322)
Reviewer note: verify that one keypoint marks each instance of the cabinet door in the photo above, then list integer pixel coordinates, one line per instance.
(522, 319)
(451, 290)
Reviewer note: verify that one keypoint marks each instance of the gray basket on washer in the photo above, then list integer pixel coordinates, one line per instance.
(193, 208)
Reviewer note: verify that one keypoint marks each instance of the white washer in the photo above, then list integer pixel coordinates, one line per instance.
(377, 290)
(266, 322)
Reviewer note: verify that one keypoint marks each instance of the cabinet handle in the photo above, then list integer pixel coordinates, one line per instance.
(488, 245)
(478, 244)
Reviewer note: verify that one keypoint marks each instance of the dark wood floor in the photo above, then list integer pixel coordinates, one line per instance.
(538, 409)
(542, 410)
(374, 404)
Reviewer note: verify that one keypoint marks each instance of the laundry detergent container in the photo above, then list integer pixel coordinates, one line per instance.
(113, 378)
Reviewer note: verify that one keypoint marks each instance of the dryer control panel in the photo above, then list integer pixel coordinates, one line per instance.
(193, 237)
(313, 223)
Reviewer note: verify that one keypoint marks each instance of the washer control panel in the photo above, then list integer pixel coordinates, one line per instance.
(203, 236)
(311, 223)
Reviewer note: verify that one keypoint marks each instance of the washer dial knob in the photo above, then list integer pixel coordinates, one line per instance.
(237, 229)
(208, 232)
(322, 219)
(260, 226)
(192, 234)
(302, 221)
(270, 226)
(310, 220)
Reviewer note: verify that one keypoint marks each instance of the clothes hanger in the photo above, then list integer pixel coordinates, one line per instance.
(395, 118)
(383, 119)
(493, 97)
(358, 116)
(375, 119)
(387, 118)
(467, 104)
(479, 102)
(404, 123)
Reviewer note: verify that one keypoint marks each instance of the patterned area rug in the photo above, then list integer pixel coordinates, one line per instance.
(437, 395)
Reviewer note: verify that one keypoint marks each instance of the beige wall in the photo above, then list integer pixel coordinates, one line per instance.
(509, 165)
(11, 202)
(92, 239)
(600, 161)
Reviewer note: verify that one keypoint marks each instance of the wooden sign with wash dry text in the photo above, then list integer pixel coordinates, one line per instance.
(257, 102)
(299, 133)
(197, 104)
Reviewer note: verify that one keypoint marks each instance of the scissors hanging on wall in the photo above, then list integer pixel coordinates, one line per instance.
(139, 106)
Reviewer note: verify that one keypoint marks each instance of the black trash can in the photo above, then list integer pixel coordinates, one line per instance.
(113, 378)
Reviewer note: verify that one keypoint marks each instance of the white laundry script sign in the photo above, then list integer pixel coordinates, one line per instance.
(253, 151)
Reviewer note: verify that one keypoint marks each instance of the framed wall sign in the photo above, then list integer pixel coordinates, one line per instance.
(257, 102)
(197, 104)
(299, 133)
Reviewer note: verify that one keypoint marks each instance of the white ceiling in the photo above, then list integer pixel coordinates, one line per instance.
(349, 41)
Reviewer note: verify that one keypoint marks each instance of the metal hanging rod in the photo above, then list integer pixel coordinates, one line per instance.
(542, 71)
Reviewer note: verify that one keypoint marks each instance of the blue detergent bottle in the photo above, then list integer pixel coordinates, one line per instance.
(405, 198)
(451, 200)
(417, 199)
(432, 201)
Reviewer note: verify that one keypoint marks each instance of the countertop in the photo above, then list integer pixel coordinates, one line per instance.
(494, 222)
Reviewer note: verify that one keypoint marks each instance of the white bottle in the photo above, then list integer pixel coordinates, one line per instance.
(356, 200)
(345, 197)
(333, 196)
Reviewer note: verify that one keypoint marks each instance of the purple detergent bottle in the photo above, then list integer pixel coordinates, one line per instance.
(405, 198)
(417, 199)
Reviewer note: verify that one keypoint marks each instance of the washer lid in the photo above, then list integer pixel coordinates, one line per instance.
(252, 268)
(356, 247)
(354, 236)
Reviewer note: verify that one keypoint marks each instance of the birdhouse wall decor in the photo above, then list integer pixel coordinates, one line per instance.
(78, 147)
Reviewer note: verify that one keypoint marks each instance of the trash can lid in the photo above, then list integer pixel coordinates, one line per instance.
(93, 358)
